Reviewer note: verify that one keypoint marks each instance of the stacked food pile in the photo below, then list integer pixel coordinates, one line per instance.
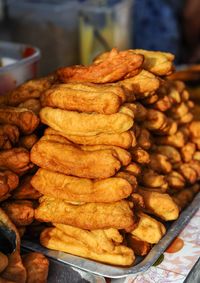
(119, 149)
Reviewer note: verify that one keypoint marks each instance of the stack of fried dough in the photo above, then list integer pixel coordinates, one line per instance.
(120, 151)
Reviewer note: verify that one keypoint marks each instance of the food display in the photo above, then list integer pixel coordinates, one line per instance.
(112, 157)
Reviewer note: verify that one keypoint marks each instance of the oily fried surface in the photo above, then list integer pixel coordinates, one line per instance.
(84, 124)
(71, 160)
(115, 65)
(86, 216)
(83, 98)
(55, 239)
(25, 190)
(72, 189)
(31, 104)
(11, 132)
(124, 139)
(28, 141)
(12, 179)
(37, 266)
(26, 120)
(139, 247)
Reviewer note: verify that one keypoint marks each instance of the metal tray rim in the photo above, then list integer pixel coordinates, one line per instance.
(119, 272)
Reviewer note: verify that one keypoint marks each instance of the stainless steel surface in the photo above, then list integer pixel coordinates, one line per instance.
(141, 264)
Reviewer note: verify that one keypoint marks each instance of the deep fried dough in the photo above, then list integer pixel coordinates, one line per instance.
(78, 97)
(176, 140)
(71, 160)
(139, 247)
(175, 180)
(152, 179)
(138, 109)
(140, 155)
(185, 196)
(11, 132)
(83, 124)
(164, 103)
(113, 66)
(21, 212)
(72, 189)
(159, 204)
(133, 168)
(15, 159)
(129, 177)
(194, 129)
(31, 104)
(28, 141)
(155, 120)
(144, 139)
(86, 216)
(37, 266)
(26, 120)
(187, 151)
(25, 190)
(55, 239)
(170, 152)
(124, 140)
(160, 163)
(12, 179)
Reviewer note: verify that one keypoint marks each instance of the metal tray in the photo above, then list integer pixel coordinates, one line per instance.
(141, 264)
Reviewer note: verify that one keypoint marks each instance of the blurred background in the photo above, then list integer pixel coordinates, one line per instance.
(73, 32)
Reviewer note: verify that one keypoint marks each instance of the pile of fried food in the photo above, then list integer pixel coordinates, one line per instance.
(119, 156)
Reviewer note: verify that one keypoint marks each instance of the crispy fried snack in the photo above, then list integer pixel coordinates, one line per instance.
(159, 204)
(28, 141)
(152, 179)
(25, 190)
(150, 99)
(124, 140)
(3, 262)
(138, 109)
(84, 98)
(55, 239)
(12, 179)
(24, 119)
(30, 89)
(177, 140)
(15, 159)
(175, 180)
(194, 129)
(86, 216)
(144, 139)
(197, 142)
(170, 152)
(139, 247)
(142, 85)
(128, 177)
(83, 124)
(111, 67)
(71, 160)
(31, 104)
(191, 171)
(56, 138)
(138, 201)
(21, 212)
(185, 196)
(179, 110)
(160, 163)
(11, 132)
(164, 103)
(158, 63)
(133, 168)
(5, 143)
(139, 155)
(187, 151)
(196, 155)
(37, 267)
(70, 188)
(148, 229)
(155, 120)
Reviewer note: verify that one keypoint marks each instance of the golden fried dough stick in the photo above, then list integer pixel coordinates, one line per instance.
(138, 201)
(5, 143)
(133, 168)
(71, 160)
(139, 155)
(56, 138)
(37, 267)
(148, 229)
(70, 188)
(177, 140)
(194, 129)
(84, 124)
(142, 85)
(102, 240)
(187, 118)
(191, 171)
(25, 190)
(164, 103)
(159, 204)
(187, 151)
(124, 140)
(185, 196)
(158, 63)
(26, 120)
(170, 152)
(160, 163)
(197, 142)
(152, 179)
(87, 215)
(3, 262)
(179, 110)
(30, 89)
(196, 155)
(21, 212)
(15, 159)
(28, 141)
(144, 139)
(113, 66)
(175, 180)
(139, 247)
(31, 104)
(11, 132)
(155, 120)
(12, 179)
(138, 109)
(55, 239)
(128, 177)
(100, 99)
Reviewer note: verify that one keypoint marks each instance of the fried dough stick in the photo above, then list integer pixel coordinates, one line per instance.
(194, 129)
(124, 139)
(56, 239)
(190, 171)
(37, 267)
(128, 177)
(71, 160)
(25, 190)
(11, 132)
(21, 212)
(84, 124)
(159, 204)
(28, 141)
(86, 216)
(170, 152)
(84, 98)
(187, 151)
(26, 120)
(175, 180)
(139, 155)
(152, 179)
(31, 104)
(160, 163)
(70, 188)
(177, 140)
(139, 247)
(114, 66)
(30, 89)
(15, 159)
